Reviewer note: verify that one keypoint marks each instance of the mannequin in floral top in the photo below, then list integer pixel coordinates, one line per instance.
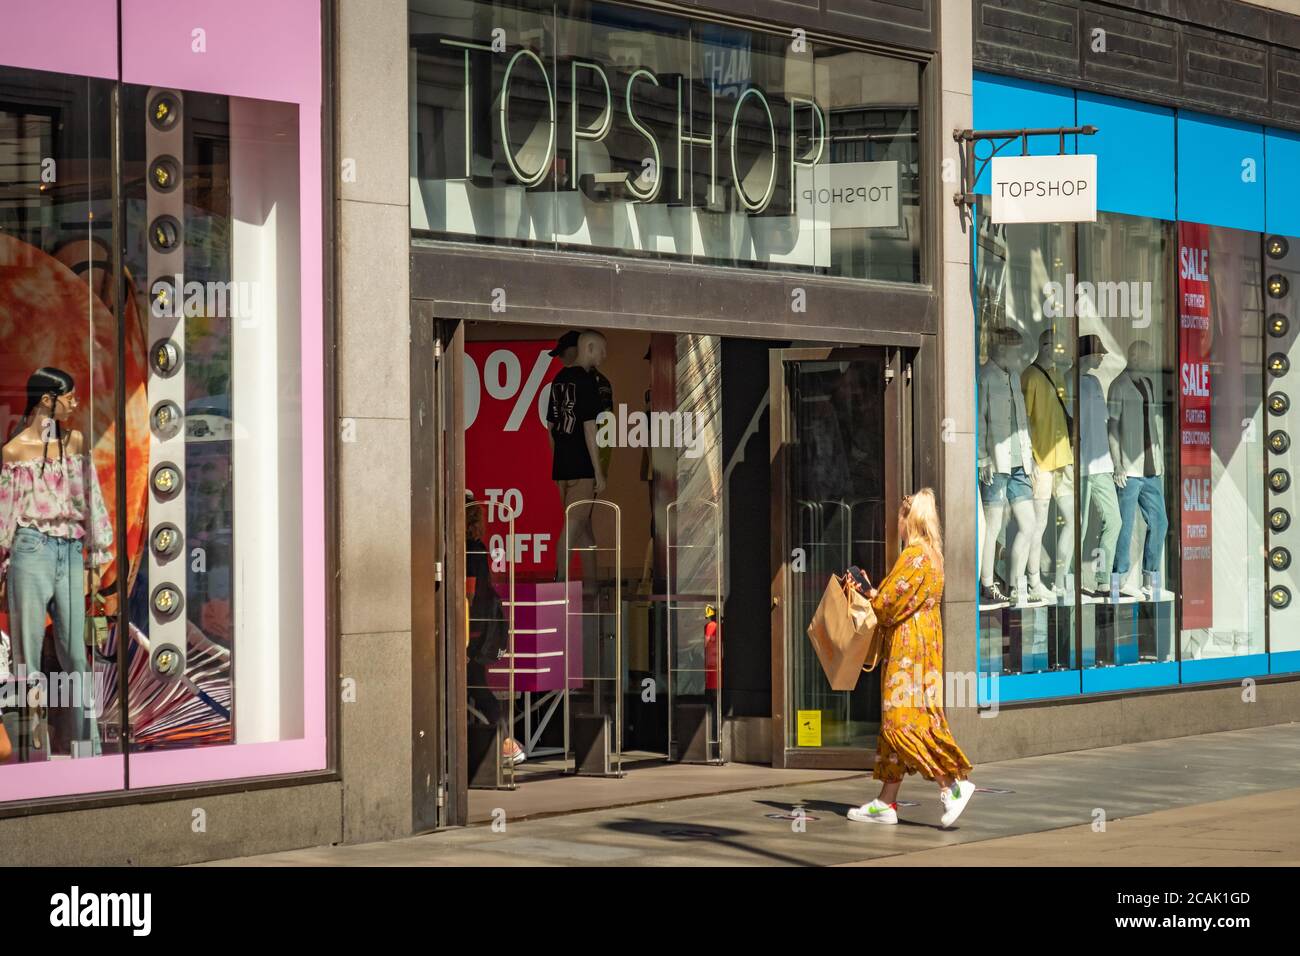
(914, 735)
(55, 535)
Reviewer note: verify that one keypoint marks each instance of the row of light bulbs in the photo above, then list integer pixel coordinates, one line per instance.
(165, 233)
(1278, 286)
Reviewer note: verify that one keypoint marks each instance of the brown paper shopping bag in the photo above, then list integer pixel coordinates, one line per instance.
(842, 633)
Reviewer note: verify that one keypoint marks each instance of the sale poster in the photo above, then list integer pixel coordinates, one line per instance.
(1194, 423)
(508, 452)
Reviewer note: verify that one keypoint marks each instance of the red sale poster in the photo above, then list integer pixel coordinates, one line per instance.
(508, 450)
(1194, 346)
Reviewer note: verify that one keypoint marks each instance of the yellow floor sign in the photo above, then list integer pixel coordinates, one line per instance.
(810, 728)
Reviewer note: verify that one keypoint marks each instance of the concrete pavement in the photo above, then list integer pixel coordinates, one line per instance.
(1228, 798)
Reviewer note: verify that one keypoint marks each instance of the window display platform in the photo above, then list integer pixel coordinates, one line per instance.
(1031, 649)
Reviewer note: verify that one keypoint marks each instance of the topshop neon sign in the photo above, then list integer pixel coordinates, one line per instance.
(649, 186)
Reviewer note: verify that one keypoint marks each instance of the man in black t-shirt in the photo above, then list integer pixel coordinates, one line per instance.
(576, 465)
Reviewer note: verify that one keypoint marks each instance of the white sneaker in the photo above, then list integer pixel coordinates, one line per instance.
(875, 812)
(1041, 594)
(954, 800)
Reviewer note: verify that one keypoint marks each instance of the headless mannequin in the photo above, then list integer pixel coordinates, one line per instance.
(995, 513)
(588, 354)
(1064, 499)
(1141, 369)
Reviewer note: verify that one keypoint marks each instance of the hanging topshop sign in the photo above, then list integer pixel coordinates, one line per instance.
(1044, 188)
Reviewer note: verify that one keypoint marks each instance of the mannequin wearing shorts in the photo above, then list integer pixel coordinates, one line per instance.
(1006, 466)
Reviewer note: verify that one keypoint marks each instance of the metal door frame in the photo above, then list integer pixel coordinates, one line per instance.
(439, 784)
(898, 474)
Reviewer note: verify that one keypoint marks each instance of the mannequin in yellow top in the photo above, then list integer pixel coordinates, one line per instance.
(1049, 435)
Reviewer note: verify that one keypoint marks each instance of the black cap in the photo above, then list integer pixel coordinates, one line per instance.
(1091, 345)
(568, 340)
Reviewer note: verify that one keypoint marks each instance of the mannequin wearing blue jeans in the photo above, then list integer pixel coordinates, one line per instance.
(45, 573)
(1136, 441)
(1149, 495)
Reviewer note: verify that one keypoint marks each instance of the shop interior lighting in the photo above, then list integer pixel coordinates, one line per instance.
(166, 541)
(166, 480)
(166, 600)
(164, 110)
(165, 357)
(164, 174)
(165, 233)
(1279, 519)
(166, 417)
(166, 660)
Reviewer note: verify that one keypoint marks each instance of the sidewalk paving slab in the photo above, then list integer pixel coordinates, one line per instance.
(1189, 801)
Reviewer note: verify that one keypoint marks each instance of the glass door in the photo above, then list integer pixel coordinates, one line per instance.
(836, 424)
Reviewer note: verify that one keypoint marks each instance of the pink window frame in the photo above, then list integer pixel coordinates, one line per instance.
(258, 50)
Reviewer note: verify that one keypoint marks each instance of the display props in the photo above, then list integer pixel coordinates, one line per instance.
(508, 452)
(1194, 410)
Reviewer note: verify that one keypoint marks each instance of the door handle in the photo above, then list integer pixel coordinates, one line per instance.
(776, 601)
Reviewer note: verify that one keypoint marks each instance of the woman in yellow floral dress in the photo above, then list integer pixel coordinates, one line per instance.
(914, 735)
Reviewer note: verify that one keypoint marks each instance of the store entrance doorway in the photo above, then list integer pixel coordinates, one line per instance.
(590, 543)
(583, 633)
(840, 424)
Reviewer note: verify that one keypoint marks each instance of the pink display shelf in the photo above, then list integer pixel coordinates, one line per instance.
(540, 610)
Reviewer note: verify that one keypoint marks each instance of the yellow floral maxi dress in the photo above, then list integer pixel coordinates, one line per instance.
(914, 735)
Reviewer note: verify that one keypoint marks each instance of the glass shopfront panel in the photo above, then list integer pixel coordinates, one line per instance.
(593, 563)
(58, 481)
(197, 506)
(1026, 458)
(1223, 492)
(1080, 454)
(616, 129)
(1124, 297)
(1177, 341)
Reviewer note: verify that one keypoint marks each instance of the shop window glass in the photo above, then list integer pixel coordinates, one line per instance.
(607, 597)
(209, 545)
(1125, 298)
(214, 455)
(1029, 480)
(59, 544)
(608, 128)
(1223, 434)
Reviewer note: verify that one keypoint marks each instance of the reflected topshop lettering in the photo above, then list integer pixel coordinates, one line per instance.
(755, 184)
